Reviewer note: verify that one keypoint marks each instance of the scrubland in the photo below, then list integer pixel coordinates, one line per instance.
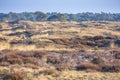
(88, 50)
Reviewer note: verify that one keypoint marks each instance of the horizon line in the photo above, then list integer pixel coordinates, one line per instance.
(58, 12)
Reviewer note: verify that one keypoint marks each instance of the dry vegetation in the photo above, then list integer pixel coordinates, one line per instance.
(60, 51)
(28, 35)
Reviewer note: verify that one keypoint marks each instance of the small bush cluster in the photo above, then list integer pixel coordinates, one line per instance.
(30, 59)
(14, 76)
(88, 66)
(64, 60)
(48, 72)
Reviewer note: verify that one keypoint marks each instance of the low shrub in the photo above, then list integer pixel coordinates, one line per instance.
(15, 61)
(110, 68)
(31, 60)
(97, 60)
(14, 76)
(53, 60)
(51, 72)
(64, 67)
(5, 63)
(117, 55)
(32, 66)
(87, 65)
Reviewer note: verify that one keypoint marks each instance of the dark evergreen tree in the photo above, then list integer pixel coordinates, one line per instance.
(40, 16)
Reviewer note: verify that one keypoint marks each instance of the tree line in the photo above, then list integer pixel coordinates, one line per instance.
(54, 16)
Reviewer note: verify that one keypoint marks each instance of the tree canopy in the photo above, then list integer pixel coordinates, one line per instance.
(54, 16)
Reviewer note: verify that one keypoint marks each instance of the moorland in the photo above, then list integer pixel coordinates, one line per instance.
(54, 50)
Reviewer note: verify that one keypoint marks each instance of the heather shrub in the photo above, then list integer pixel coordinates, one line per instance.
(25, 53)
(87, 65)
(64, 67)
(31, 66)
(97, 60)
(11, 58)
(110, 68)
(49, 72)
(117, 55)
(15, 61)
(31, 60)
(107, 68)
(14, 76)
(39, 54)
(5, 63)
(53, 60)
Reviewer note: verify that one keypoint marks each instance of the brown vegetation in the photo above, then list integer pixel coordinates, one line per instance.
(28, 35)
(64, 60)
(88, 66)
(14, 76)
(59, 46)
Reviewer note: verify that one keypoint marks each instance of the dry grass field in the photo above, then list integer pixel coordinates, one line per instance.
(88, 50)
(28, 35)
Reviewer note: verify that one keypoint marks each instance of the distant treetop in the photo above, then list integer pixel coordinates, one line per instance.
(40, 16)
